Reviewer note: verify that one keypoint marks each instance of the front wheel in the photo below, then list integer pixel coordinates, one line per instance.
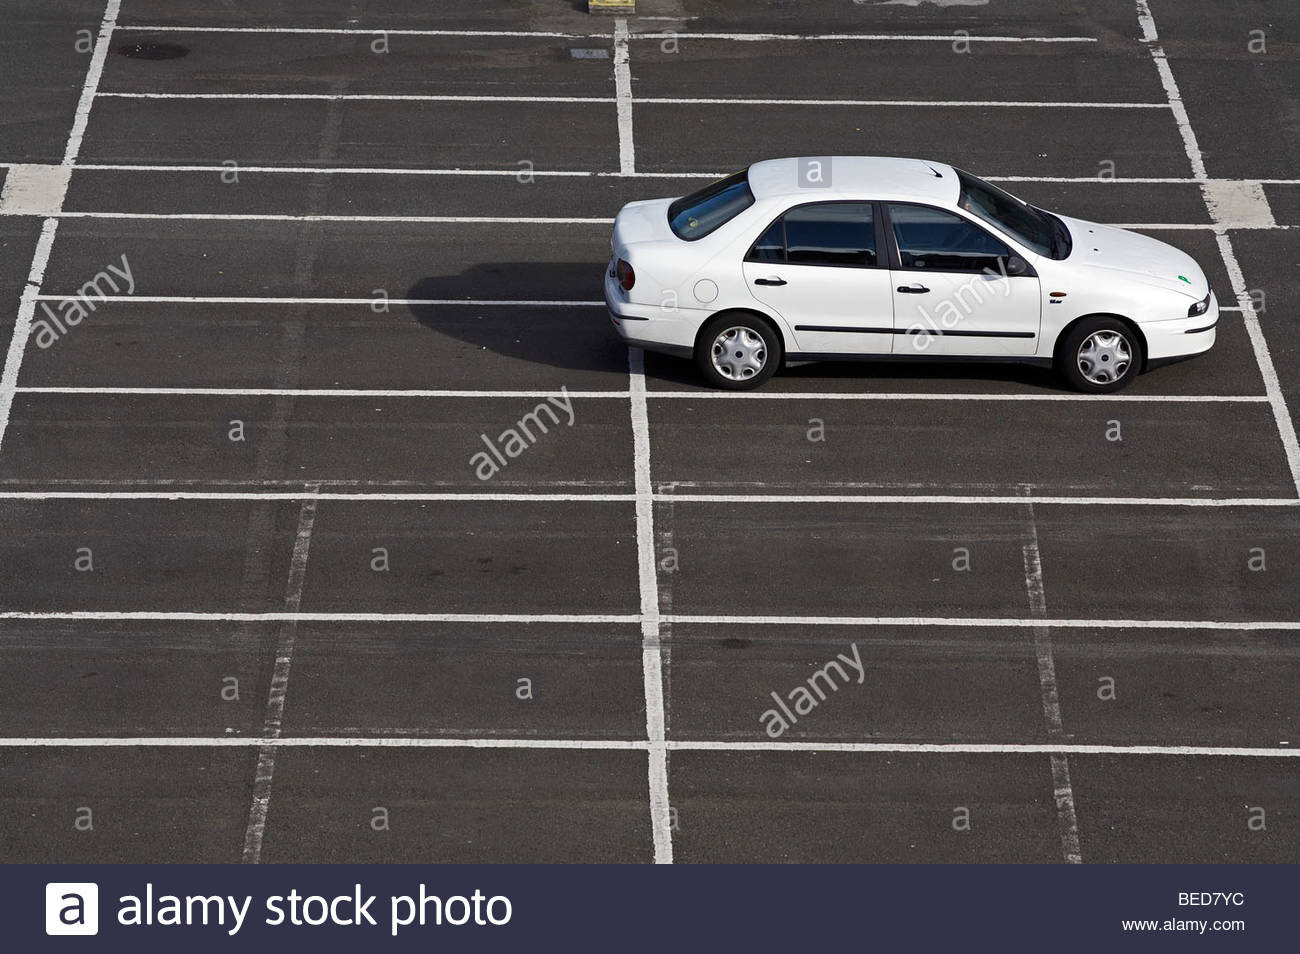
(737, 351)
(1100, 355)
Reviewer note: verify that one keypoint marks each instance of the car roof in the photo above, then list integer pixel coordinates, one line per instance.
(873, 177)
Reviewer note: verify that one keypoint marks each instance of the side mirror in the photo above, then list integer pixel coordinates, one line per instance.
(1016, 266)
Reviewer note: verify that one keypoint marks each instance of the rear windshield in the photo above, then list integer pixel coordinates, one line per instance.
(696, 215)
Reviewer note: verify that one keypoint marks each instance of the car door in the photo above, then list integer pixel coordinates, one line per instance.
(821, 268)
(958, 289)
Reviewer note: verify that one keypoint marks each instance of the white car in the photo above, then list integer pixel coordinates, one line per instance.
(857, 257)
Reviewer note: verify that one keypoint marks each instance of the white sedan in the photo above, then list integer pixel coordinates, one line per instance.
(856, 257)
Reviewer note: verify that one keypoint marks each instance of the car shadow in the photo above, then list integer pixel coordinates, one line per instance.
(581, 338)
(569, 337)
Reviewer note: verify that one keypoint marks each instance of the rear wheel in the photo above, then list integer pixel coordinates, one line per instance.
(1100, 355)
(737, 351)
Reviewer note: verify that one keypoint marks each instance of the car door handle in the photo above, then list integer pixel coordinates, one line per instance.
(913, 289)
(770, 281)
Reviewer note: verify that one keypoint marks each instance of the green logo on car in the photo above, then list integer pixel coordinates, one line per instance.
(1184, 278)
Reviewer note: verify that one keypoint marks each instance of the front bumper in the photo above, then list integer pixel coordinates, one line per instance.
(1182, 337)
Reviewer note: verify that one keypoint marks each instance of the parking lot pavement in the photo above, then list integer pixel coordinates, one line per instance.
(872, 612)
(460, 806)
(211, 440)
(830, 807)
(42, 64)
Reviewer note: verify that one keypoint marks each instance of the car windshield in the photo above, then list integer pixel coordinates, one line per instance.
(1034, 228)
(696, 215)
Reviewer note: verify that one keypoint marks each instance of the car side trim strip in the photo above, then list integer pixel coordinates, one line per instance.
(919, 331)
(864, 331)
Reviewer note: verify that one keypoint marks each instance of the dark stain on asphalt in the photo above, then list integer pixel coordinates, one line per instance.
(147, 50)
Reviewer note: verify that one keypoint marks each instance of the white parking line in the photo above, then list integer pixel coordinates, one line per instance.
(581, 173)
(979, 499)
(265, 774)
(648, 585)
(291, 217)
(292, 300)
(326, 392)
(299, 617)
(45, 244)
(907, 103)
(882, 37)
(681, 745)
(350, 31)
(680, 35)
(676, 497)
(1259, 344)
(23, 323)
(623, 94)
(625, 99)
(1013, 622)
(91, 85)
(685, 619)
(654, 395)
(956, 396)
(1063, 790)
(237, 496)
(542, 220)
(366, 97)
(977, 748)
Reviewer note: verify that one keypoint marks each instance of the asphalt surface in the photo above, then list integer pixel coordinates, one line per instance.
(240, 510)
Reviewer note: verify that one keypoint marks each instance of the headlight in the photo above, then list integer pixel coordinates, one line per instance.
(1200, 308)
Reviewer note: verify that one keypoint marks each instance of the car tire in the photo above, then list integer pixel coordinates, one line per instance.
(737, 351)
(1100, 355)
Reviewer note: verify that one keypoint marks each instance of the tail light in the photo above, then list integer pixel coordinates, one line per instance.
(626, 277)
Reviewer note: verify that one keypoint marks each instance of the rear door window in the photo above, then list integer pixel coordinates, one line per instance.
(824, 233)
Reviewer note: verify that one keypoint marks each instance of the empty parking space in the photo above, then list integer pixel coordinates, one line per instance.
(1107, 448)
(766, 559)
(412, 346)
(1202, 810)
(42, 64)
(232, 439)
(499, 679)
(775, 807)
(84, 678)
(1143, 563)
(1188, 687)
(853, 684)
(687, 68)
(376, 64)
(527, 190)
(369, 261)
(124, 805)
(365, 132)
(78, 555)
(488, 557)
(1007, 141)
(458, 806)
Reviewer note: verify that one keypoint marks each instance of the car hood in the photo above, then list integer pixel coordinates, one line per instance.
(1109, 249)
